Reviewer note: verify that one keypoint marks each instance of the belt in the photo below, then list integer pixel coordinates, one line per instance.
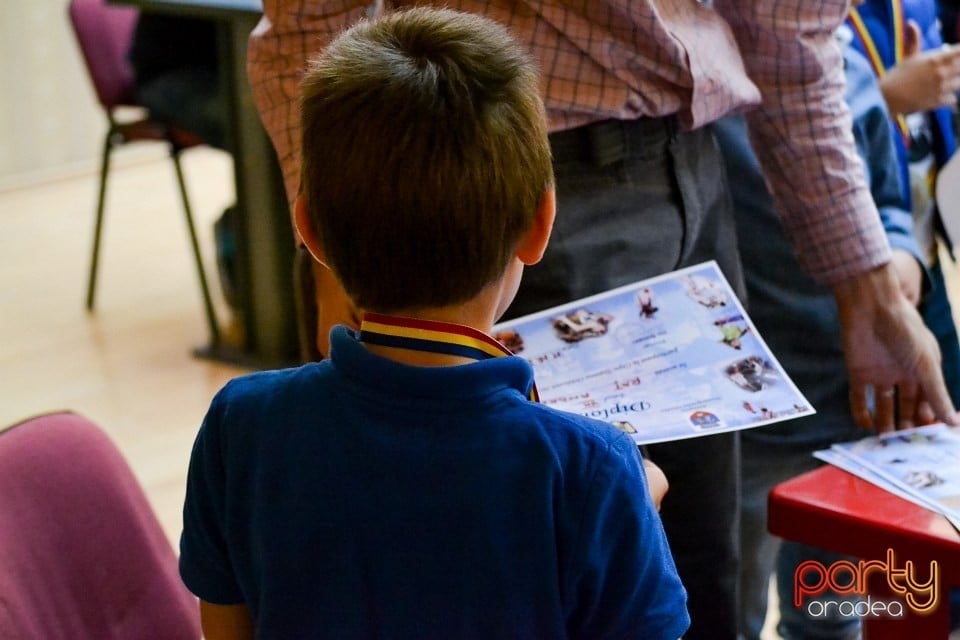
(607, 141)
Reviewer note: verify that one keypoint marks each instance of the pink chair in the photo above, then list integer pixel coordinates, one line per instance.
(82, 554)
(104, 34)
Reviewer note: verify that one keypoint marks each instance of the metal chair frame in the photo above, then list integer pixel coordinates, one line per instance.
(114, 92)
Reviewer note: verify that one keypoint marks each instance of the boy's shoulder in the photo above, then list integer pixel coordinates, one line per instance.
(581, 432)
(271, 380)
(251, 392)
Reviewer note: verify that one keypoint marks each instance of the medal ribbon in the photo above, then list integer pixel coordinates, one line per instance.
(873, 55)
(435, 337)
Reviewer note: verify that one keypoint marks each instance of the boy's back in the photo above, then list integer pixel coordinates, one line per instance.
(366, 498)
(409, 487)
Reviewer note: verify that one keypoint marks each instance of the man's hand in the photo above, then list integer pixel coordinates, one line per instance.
(890, 354)
(923, 80)
(333, 306)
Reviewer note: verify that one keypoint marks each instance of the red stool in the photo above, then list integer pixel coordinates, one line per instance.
(835, 510)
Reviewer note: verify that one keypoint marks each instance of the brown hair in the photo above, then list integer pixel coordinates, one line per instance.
(425, 156)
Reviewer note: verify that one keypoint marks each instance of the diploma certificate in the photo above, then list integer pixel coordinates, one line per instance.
(667, 358)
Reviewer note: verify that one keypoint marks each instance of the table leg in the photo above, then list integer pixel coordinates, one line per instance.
(264, 238)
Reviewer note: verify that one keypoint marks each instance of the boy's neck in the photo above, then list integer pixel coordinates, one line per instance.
(475, 314)
(479, 313)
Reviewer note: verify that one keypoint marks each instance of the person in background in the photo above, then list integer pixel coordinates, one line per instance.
(948, 13)
(176, 74)
(631, 87)
(800, 322)
(409, 487)
(177, 78)
(919, 79)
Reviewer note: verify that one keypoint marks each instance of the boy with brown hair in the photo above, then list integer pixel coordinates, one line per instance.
(408, 487)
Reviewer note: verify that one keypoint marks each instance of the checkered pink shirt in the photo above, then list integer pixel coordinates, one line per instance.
(630, 58)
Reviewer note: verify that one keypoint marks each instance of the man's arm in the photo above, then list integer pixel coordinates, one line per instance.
(802, 135)
(280, 46)
(290, 33)
(875, 145)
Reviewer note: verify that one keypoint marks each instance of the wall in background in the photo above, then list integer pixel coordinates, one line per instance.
(50, 122)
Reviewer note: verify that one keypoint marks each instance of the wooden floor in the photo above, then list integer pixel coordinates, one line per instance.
(128, 366)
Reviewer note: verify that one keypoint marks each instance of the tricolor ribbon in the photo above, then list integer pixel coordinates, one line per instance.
(432, 336)
(873, 54)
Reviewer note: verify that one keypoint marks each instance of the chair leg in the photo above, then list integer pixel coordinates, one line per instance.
(98, 225)
(201, 272)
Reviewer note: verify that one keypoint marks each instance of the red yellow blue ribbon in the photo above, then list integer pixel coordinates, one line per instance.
(873, 55)
(434, 337)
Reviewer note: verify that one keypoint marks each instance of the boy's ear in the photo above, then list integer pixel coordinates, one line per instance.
(304, 229)
(534, 241)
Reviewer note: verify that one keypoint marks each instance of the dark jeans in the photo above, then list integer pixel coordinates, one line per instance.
(191, 100)
(765, 464)
(938, 316)
(637, 199)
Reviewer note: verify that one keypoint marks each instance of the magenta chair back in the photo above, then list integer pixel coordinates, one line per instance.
(104, 35)
(82, 555)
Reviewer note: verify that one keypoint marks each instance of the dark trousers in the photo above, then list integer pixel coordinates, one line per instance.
(190, 99)
(636, 199)
(938, 316)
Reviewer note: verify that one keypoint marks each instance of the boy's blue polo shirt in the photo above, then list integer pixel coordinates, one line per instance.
(363, 498)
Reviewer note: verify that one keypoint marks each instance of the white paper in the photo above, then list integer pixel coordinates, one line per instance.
(667, 358)
(921, 465)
